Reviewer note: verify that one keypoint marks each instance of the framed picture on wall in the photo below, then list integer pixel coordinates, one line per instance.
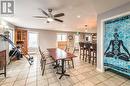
(117, 44)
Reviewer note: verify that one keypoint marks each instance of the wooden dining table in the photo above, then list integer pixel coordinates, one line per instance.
(59, 54)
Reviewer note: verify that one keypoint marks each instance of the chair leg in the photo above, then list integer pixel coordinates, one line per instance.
(93, 59)
(96, 58)
(41, 63)
(80, 54)
(89, 56)
(43, 70)
(83, 54)
(72, 63)
(86, 56)
(68, 63)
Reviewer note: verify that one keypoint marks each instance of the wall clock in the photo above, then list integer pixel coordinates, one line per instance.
(70, 37)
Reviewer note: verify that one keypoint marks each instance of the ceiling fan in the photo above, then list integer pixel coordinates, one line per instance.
(49, 16)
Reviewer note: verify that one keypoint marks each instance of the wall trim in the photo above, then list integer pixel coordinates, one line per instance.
(100, 70)
(116, 16)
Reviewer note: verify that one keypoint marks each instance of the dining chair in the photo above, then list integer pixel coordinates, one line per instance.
(94, 53)
(66, 48)
(43, 61)
(68, 60)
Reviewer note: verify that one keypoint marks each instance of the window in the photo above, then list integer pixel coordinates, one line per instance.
(11, 36)
(76, 42)
(33, 40)
(61, 37)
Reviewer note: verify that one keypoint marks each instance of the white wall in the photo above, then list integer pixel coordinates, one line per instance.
(92, 30)
(113, 12)
(4, 45)
(46, 39)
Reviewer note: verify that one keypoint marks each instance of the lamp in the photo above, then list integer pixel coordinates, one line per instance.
(86, 28)
(50, 19)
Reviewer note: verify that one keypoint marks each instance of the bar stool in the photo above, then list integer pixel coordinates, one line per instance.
(82, 49)
(88, 54)
(94, 53)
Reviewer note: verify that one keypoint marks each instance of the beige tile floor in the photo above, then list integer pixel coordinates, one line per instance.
(19, 73)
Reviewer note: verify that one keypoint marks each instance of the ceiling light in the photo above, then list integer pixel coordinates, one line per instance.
(50, 19)
(78, 16)
(86, 29)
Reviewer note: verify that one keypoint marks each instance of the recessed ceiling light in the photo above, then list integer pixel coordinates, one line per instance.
(78, 16)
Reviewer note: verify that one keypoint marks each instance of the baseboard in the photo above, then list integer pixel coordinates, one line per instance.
(99, 70)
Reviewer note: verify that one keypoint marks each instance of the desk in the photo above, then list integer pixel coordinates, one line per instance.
(58, 54)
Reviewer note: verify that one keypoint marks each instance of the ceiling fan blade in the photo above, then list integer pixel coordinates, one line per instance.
(58, 20)
(44, 12)
(59, 15)
(39, 17)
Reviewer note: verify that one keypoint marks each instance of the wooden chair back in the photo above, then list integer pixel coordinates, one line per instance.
(87, 45)
(81, 44)
(42, 61)
(94, 46)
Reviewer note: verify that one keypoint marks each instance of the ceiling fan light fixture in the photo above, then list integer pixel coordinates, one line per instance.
(49, 16)
(50, 19)
(78, 16)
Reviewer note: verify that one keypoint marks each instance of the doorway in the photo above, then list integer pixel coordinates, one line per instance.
(32, 41)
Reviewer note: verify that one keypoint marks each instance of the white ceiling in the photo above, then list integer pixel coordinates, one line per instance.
(86, 9)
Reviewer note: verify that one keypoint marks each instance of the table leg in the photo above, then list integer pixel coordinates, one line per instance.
(83, 54)
(56, 65)
(63, 70)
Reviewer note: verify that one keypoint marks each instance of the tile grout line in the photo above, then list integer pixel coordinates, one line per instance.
(104, 80)
(27, 76)
(3, 81)
(123, 82)
(16, 78)
(37, 72)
